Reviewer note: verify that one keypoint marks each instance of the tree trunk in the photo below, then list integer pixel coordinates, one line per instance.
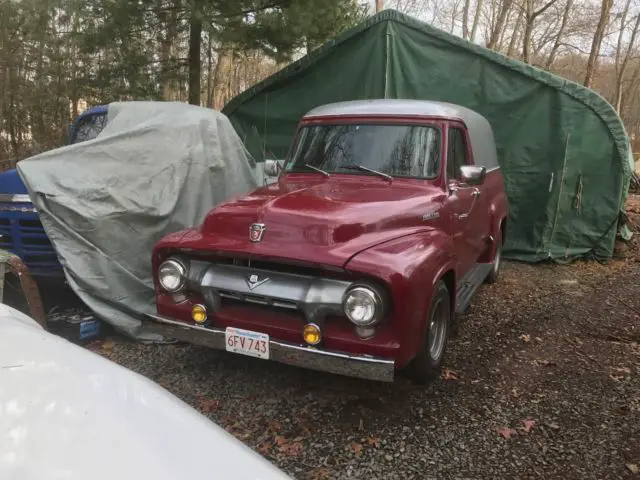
(195, 42)
(465, 19)
(379, 5)
(558, 40)
(499, 45)
(625, 62)
(500, 24)
(210, 70)
(530, 18)
(476, 20)
(592, 63)
(513, 43)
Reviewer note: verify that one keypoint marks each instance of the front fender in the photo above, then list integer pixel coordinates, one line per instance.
(410, 266)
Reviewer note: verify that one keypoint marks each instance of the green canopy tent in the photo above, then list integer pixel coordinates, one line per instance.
(563, 149)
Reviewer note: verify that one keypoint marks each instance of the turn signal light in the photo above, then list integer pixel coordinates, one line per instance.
(199, 314)
(312, 334)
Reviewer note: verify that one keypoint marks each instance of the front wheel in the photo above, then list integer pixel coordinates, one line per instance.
(426, 366)
(494, 273)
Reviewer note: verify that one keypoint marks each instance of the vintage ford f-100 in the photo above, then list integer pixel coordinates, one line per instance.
(384, 220)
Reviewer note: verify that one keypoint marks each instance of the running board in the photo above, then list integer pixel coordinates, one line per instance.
(469, 284)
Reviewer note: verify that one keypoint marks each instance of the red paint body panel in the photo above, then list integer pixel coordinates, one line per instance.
(361, 225)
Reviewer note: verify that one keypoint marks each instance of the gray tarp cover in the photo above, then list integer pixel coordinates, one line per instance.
(156, 168)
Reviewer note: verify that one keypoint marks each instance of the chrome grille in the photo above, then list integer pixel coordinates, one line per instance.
(257, 299)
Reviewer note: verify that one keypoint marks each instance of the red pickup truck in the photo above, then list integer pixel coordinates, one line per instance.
(384, 220)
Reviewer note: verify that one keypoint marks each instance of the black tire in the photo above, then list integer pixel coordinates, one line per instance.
(425, 368)
(496, 265)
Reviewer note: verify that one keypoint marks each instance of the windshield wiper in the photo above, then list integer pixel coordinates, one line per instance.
(317, 169)
(362, 168)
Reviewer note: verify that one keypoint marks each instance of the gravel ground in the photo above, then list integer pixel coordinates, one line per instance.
(542, 380)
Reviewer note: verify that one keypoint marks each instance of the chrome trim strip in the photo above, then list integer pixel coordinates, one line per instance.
(358, 366)
(15, 198)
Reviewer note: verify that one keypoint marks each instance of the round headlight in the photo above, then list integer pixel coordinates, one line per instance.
(172, 275)
(363, 306)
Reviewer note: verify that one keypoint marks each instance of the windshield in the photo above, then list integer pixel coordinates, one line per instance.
(89, 127)
(397, 150)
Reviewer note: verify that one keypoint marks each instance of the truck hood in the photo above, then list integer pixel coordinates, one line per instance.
(324, 221)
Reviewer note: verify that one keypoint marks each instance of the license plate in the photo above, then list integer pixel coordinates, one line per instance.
(246, 342)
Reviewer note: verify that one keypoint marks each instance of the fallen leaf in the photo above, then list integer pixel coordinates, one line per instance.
(515, 393)
(525, 338)
(208, 405)
(449, 375)
(544, 363)
(280, 440)
(373, 441)
(264, 448)
(320, 474)
(291, 449)
(507, 432)
(617, 378)
(107, 345)
(626, 370)
(355, 447)
(633, 468)
(528, 425)
(553, 425)
(274, 426)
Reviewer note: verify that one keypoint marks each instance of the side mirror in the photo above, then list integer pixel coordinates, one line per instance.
(472, 175)
(271, 168)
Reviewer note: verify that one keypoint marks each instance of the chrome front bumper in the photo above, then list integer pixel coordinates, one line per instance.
(359, 366)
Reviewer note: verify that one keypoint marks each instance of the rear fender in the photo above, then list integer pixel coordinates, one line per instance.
(497, 214)
(410, 267)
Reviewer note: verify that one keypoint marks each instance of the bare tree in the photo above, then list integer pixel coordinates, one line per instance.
(530, 16)
(515, 36)
(500, 23)
(476, 20)
(465, 19)
(622, 58)
(603, 22)
(559, 36)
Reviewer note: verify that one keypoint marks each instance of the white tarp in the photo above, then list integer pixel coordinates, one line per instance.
(156, 168)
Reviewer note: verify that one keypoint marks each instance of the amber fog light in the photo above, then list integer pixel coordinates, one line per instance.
(312, 334)
(199, 314)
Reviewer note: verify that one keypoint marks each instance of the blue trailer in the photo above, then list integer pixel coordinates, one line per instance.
(20, 229)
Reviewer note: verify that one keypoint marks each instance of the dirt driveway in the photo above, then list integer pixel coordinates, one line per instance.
(542, 381)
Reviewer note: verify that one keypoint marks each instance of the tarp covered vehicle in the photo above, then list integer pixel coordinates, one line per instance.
(563, 149)
(21, 231)
(157, 167)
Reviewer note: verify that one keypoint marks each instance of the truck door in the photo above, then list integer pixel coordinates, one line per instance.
(466, 203)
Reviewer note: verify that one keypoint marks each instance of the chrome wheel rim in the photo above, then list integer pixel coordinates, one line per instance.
(498, 259)
(437, 331)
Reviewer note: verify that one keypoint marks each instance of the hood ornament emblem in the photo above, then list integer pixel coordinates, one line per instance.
(256, 232)
(254, 281)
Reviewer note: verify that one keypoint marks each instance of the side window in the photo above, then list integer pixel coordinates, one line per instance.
(457, 154)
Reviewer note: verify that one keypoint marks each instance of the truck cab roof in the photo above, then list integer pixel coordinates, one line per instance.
(480, 130)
